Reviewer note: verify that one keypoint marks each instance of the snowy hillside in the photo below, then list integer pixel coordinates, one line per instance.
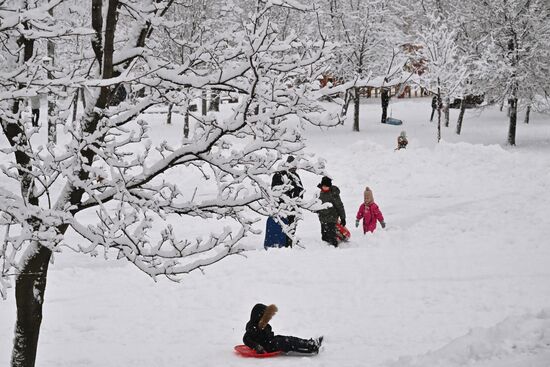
(459, 277)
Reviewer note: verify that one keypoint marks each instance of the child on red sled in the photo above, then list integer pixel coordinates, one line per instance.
(258, 335)
(369, 212)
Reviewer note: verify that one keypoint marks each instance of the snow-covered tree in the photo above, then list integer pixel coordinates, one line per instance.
(434, 34)
(108, 185)
(362, 32)
(516, 54)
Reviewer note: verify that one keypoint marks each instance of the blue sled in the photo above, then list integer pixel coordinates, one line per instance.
(392, 121)
(274, 235)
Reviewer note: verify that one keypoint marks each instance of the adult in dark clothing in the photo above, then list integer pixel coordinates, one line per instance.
(385, 98)
(329, 216)
(288, 175)
(261, 338)
(435, 106)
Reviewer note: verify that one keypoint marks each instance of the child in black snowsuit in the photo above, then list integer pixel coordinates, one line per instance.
(259, 336)
(329, 216)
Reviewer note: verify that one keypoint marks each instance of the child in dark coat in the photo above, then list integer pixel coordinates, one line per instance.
(369, 212)
(259, 336)
(402, 141)
(330, 216)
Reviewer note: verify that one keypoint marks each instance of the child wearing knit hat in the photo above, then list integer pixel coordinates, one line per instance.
(329, 216)
(369, 212)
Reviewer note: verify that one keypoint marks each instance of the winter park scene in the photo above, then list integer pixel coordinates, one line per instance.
(275, 183)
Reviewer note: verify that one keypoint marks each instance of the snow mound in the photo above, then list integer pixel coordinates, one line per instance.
(518, 338)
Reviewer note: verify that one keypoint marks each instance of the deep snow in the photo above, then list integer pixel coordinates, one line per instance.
(460, 276)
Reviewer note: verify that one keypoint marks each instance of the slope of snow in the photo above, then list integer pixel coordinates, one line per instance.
(460, 275)
(516, 341)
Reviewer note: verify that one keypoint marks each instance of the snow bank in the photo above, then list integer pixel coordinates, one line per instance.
(519, 340)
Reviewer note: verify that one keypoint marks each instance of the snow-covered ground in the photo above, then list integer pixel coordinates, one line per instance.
(459, 277)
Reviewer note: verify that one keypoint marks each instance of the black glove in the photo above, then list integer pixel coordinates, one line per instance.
(259, 349)
(357, 223)
(383, 224)
(343, 222)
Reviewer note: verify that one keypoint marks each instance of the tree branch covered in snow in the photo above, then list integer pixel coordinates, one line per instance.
(112, 183)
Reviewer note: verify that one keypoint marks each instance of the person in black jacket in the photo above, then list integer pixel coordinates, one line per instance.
(288, 175)
(329, 216)
(260, 337)
(435, 106)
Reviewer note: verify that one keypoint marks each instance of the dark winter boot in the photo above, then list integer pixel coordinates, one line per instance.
(317, 344)
(319, 341)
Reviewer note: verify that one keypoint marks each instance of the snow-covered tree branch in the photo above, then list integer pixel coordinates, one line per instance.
(110, 184)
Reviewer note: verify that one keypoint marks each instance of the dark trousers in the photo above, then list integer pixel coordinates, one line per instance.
(35, 116)
(432, 116)
(294, 344)
(328, 233)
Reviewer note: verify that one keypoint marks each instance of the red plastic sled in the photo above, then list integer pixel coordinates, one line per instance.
(342, 233)
(245, 351)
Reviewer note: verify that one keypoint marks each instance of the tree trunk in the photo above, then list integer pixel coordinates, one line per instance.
(356, 108)
(169, 116)
(97, 25)
(438, 111)
(186, 125)
(347, 99)
(438, 124)
(83, 97)
(513, 108)
(31, 281)
(52, 127)
(385, 98)
(204, 104)
(75, 107)
(527, 114)
(460, 117)
(109, 43)
(30, 287)
(446, 110)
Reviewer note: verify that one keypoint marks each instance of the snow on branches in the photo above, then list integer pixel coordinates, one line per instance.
(111, 184)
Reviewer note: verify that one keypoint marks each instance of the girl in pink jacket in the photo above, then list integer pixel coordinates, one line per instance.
(370, 213)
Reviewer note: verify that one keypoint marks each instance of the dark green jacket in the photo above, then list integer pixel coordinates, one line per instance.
(330, 215)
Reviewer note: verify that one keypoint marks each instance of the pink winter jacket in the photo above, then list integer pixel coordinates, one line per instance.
(370, 214)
